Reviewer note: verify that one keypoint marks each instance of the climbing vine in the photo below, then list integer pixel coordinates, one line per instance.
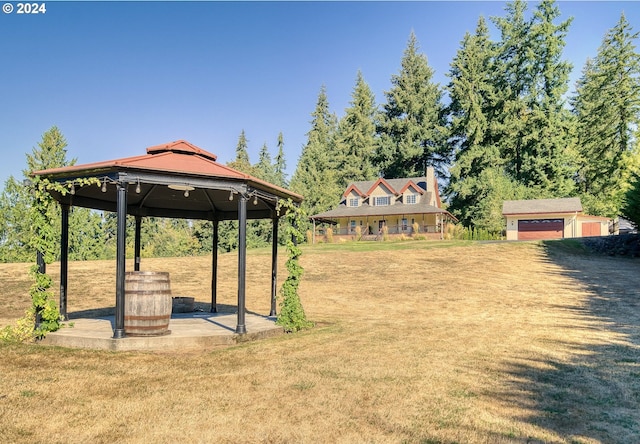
(44, 312)
(292, 316)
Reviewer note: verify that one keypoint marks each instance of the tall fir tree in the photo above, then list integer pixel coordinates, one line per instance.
(549, 156)
(316, 175)
(607, 107)
(477, 176)
(86, 240)
(265, 169)
(512, 79)
(537, 132)
(412, 123)
(242, 162)
(356, 141)
(280, 164)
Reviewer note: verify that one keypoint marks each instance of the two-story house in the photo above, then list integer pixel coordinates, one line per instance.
(397, 204)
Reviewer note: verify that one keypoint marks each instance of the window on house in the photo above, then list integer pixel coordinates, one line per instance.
(405, 224)
(353, 226)
(410, 199)
(354, 201)
(382, 200)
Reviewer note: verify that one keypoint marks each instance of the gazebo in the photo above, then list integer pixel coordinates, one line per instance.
(173, 180)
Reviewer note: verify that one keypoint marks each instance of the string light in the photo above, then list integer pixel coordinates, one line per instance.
(231, 195)
(104, 185)
(138, 187)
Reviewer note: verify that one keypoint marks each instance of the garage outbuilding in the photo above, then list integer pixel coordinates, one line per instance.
(536, 219)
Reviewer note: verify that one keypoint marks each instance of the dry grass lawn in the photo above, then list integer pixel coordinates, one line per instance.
(482, 343)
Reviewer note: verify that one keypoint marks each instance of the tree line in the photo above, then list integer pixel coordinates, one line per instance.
(92, 234)
(505, 126)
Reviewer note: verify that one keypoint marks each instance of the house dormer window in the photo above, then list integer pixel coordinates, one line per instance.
(382, 201)
(410, 199)
(354, 202)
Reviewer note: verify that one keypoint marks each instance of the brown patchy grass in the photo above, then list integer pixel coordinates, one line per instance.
(488, 343)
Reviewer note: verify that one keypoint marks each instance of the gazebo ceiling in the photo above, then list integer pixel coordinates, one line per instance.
(176, 179)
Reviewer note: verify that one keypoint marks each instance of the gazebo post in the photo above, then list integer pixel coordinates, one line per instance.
(121, 206)
(64, 260)
(214, 268)
(274, 265)
(136, 265)
(241, 327)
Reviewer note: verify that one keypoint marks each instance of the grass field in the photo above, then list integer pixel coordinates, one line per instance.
(415, 342)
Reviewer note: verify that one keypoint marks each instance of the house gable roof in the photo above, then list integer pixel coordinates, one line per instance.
(542, 206)
(379, 182)
(411, 184)
(355, 189)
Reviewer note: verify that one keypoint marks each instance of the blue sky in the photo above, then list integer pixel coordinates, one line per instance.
(117, 77)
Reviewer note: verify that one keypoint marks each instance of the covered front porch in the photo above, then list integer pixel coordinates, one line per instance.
(422, 225)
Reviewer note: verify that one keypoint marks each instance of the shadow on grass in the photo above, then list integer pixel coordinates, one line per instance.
(593, 396)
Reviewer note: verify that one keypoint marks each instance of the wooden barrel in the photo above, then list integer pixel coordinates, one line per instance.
(147, 303)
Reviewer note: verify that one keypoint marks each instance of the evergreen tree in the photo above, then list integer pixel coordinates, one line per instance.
(16, 202)
(411, 126)
(536, 129)
(356, 142)
(513, 78)
(316, 176)
(280, 165)
(86, 235)
(242, 162)
(264, 169)
(15, 223)
(474, 103)
(631, 205)
(607, 107)
(549, 156)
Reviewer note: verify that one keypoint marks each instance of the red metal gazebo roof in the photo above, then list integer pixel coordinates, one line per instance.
(156, 177)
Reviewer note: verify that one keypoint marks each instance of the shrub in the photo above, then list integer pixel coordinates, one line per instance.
(329, 235)
(22, 331)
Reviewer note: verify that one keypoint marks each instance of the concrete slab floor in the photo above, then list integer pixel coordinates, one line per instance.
(188, 331)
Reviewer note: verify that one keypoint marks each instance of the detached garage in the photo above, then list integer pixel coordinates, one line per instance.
(550, 219)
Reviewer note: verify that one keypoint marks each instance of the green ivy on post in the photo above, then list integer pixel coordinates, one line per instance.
(292, 317)
(45, 311)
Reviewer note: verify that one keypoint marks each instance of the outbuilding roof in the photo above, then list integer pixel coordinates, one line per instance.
(542, 206)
